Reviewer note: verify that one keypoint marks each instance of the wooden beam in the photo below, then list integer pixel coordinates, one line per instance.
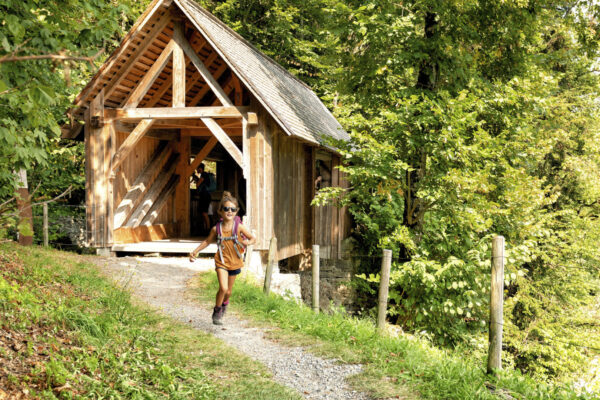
(165, 87)
(133, 58)
(178, 75)
(174, 113)
(152, 194)
(202, 92)
(71, 132)
(163, 134)
(161, 201)
(140, 186)
(252, 118)
(144, 84)
(237, 97)
(206, 75)
(130, 142)
(205, 132)
(135, 31)
(202, 155)
(225, 140)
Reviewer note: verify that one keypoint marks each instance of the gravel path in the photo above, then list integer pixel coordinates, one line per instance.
(161, 282)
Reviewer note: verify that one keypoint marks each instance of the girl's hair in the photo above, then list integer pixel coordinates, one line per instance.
(227, 197)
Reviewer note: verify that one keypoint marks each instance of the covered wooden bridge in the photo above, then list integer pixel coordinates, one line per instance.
(181, 89)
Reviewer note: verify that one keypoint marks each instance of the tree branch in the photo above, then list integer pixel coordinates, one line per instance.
(61, 57)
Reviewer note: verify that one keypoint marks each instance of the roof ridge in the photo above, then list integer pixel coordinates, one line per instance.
(245, 41)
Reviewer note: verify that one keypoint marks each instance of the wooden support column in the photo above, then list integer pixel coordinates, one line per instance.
(90, 215)
(182, 190)
(178, 75)
(206, 75)
(95, 126)
(109, 140)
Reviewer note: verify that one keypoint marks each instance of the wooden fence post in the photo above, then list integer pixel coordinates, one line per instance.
(496, 306)
(315, 278)
(45, 223)
(384, 286)
(270, 264)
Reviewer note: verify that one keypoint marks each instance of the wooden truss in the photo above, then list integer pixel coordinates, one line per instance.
(168, 171)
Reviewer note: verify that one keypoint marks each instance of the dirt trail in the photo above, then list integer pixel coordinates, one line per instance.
(161, 282)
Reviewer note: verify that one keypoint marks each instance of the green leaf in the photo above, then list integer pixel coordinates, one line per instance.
(43, 96)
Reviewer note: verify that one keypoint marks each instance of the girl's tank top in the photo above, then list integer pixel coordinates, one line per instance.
(231, 260)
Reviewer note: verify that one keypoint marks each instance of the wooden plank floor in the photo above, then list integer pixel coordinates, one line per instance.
(171, 246)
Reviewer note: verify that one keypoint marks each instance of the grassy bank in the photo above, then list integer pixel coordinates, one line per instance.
(402, 366)
(67, 332)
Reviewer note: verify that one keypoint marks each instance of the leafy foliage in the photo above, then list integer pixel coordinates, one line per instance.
(470, 119)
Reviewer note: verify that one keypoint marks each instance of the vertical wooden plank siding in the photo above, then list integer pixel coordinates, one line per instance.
(290, 195)
(308, 185)
(335, 212)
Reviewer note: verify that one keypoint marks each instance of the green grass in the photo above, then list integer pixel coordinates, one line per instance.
(68, 332)
(394, 367)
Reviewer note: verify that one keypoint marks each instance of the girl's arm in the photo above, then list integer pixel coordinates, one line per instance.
(251, 239)
(212, 236)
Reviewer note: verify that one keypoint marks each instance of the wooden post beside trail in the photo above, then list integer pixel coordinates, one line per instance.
(270, 264)
(496, 306)
(315, 278)
(384, 286)
(45, 224)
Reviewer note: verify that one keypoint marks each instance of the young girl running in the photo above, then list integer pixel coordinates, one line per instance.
(229, 257)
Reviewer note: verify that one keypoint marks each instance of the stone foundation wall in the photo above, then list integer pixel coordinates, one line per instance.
(334, 286)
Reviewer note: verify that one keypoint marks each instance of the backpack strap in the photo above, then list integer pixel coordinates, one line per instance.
(220, 239)
(237, 246)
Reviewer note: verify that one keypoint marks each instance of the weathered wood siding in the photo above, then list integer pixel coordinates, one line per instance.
(289, 205)
(281, 187)
(259, 193)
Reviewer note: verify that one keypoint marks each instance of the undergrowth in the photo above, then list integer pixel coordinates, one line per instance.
(396, 366)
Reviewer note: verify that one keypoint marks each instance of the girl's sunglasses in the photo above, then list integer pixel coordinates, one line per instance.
(227, 209)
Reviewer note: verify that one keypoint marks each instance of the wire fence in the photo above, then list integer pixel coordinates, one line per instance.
(66, 226)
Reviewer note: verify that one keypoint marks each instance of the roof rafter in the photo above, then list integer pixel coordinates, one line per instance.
(142, 87)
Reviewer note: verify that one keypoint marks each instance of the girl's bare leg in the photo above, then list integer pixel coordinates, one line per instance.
(230, 283)
(222, 276)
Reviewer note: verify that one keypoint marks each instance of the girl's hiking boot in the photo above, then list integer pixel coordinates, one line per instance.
(217, 316)
(224, 308)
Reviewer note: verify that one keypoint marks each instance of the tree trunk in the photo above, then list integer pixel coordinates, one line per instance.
(414, 209)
